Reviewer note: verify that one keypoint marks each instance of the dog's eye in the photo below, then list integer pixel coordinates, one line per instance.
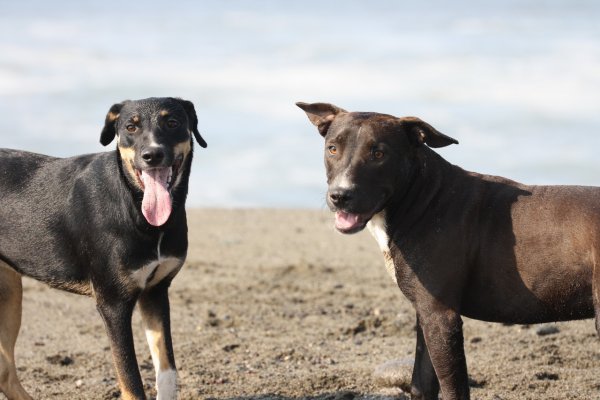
(131, 128)
(332, 150)
(172, 124)
(378, 154)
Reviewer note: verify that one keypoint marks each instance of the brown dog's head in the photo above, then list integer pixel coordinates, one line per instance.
(154, 140)
(368, 158)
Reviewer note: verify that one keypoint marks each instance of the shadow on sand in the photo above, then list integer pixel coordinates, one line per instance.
(343, 395)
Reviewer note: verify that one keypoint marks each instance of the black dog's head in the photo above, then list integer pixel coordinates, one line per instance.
(155, 146)
(368, 158)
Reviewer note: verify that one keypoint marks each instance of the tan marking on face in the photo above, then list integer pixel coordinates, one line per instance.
(112, 116)
(127, 156)
(164, 113)
(183, 148)
(135, 119)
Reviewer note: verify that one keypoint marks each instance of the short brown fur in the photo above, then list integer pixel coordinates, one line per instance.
(462, 243)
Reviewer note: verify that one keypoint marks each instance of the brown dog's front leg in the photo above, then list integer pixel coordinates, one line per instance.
(117, 321)
(442, 331)
(424, 385)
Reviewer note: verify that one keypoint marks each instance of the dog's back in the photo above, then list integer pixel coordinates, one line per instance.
(529, 250)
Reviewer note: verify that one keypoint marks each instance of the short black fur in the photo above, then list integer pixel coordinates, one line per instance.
(76, 224)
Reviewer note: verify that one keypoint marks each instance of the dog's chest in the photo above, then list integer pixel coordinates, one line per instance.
(377, 228)
(155, 271)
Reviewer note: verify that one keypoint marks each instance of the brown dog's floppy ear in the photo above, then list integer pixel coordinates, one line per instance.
(110, 124)
(320, 114)
(188, 106)
(420, 132)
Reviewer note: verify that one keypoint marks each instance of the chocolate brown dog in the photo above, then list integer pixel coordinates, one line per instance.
(457, 242)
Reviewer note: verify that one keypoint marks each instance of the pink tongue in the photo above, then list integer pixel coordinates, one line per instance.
(156, 205)
(345, 221)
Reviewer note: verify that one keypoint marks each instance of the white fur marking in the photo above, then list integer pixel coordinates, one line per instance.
(160, 238)
(166, 384)
(153, 142)
(378, 229)
(343, 181)
(161, 268)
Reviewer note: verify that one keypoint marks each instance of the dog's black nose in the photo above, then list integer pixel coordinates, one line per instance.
(153, 156)
(340, 197)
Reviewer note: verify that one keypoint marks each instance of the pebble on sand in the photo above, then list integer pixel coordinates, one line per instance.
(547, 330)
(394, 374)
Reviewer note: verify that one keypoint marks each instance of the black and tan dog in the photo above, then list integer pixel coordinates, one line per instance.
(457, 242)
(108, 225)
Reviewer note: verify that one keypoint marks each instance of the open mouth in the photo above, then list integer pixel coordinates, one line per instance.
(157, 184)
(171, 174)
(347, 222)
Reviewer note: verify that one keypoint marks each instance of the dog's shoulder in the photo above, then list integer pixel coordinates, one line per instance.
(101, 167)
(11, 159)
(17, 167)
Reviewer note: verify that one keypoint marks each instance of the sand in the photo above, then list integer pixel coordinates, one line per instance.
(275, 304)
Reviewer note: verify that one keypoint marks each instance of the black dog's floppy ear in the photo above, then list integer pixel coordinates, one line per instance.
(110, 124)
(320, 114)
(188, 106)
(420, 132)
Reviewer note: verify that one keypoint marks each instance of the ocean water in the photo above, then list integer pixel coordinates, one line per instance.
(516, 82)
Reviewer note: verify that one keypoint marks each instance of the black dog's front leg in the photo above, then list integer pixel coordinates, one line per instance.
(154, 306)
(442, 333)
(117, 320)
(424, 385)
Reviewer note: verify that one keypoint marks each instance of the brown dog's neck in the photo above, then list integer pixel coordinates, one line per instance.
(430, 177)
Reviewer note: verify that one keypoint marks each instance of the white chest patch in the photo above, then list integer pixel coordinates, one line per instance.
(378, 229)
(155, 271)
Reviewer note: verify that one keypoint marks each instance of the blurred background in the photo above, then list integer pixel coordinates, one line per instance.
(517, 82)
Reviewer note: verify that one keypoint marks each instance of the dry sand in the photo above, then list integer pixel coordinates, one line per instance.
(275, 304)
